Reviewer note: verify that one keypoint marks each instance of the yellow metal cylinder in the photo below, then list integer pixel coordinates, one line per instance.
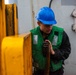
(16, 55)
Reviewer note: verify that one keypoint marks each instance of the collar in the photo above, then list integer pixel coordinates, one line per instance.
(45, 36)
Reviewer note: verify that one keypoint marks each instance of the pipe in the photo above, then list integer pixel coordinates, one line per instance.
(33, 14)
(50, 3)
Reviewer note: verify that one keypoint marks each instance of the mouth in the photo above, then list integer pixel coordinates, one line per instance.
(48, 31)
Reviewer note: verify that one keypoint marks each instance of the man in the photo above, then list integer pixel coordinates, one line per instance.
(59, 45)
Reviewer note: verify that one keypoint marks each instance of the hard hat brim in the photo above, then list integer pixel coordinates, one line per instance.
(48, 22)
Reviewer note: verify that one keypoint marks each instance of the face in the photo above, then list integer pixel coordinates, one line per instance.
(45, 28)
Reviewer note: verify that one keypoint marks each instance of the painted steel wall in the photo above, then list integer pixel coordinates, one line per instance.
(24, 15)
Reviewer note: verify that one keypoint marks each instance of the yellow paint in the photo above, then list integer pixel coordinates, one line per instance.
(2, 26)
(11, 19)
(16, 55)
(16, 19)
(3, 34)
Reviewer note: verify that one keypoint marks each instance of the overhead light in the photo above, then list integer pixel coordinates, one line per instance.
(10, 1)
(6, 1)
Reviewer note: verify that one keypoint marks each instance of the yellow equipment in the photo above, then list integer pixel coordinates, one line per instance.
(16, 57)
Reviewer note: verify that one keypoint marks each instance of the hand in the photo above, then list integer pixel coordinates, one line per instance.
(50, 47)
(45, 48)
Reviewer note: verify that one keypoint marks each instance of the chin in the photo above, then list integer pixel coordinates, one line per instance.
(47, 32)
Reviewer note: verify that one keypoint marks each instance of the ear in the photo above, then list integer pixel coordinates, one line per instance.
(38, 23)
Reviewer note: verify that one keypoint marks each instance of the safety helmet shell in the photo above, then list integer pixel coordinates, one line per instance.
(46, 16)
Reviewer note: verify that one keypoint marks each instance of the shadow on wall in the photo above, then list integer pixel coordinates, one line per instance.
(70, 68)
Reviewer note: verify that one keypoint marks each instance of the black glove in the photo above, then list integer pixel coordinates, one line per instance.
(45, 48)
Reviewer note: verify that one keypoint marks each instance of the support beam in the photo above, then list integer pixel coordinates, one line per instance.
(11, 19)
(2, 26)
(8, 23)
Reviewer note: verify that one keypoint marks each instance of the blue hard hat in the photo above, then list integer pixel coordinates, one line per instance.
(46, 16)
